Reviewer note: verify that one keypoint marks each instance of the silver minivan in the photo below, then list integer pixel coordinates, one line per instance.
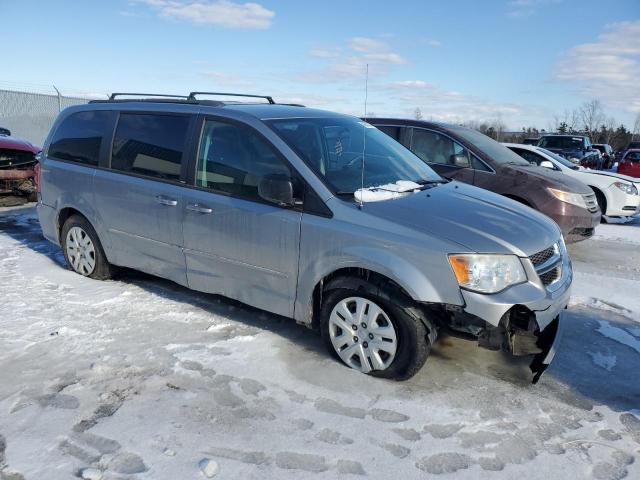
(308, 214)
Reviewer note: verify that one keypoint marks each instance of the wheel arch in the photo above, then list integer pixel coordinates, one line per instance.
(67, 210)
(600, 196)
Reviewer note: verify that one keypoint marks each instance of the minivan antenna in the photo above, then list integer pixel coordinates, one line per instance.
(364, 135)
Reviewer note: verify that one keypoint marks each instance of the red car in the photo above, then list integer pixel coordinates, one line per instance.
(630, 163)
(17, 162)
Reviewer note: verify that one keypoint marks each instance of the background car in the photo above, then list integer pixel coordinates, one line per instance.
(469, 156)
(530, 141)
(17, 161)
(630, 163)
(607, 154)
(617, 195)
(576, 148)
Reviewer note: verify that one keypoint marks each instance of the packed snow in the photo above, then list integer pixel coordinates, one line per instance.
(138, 378)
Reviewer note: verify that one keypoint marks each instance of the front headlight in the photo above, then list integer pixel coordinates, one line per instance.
(628, 188)
(487, 273)
(568, 197)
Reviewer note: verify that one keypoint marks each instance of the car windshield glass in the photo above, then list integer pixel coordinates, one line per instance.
(496, 151)
(558, 158)
(333, 148)
(561, 142)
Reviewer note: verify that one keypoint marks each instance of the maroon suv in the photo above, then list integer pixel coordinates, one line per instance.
(469, 156)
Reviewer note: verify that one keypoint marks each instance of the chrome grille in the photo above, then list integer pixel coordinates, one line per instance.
(541, 257)
(592, 203)
(550, 276)
(548, 264)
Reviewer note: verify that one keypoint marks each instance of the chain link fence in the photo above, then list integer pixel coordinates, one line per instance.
(30, 115)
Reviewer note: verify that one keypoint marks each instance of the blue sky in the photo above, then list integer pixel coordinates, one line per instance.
(524, 62)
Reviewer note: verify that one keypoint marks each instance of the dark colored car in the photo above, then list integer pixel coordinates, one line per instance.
(531, 141)
(607, 154)
(630, 163)
(576, 148)
(469, 156)
(17, 161)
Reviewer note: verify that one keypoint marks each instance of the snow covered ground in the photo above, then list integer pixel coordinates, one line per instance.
(142, 379)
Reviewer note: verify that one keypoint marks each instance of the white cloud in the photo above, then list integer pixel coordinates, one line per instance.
(349, 62)
(526, 8)
(367, 45)
(608, 68)
(403, 97)
(223, 13)
(325, 52)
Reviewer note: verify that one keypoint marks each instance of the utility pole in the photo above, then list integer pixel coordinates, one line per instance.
(59, 99)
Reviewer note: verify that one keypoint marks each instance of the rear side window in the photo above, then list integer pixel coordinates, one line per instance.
(79, 137)
(149, 144)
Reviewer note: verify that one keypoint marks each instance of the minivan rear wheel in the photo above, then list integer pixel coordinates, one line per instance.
(83, 250)
(375, 334)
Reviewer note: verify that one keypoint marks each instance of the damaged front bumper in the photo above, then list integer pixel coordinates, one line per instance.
(525, 319)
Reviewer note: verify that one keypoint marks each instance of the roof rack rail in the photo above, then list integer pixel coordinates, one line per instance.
(118, 94)
(192, 95)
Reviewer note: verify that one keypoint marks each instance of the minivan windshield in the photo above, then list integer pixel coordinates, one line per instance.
(333, 148)
(496, 151)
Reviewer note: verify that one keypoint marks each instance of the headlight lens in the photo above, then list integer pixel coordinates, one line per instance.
(568, 197)
(626, 187)
(487, 273)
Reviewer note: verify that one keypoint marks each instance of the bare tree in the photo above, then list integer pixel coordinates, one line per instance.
(591, 116)
(636, 128)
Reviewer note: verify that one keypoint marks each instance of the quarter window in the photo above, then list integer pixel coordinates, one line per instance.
(433, 147)
(232, 159)
(149, 144)
(79, 137)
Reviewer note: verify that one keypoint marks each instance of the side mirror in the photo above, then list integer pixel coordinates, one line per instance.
(547, 164)
(461, 161)
(276, 188)
(5, 131)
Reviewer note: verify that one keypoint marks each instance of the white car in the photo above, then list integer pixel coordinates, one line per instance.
(617, 195)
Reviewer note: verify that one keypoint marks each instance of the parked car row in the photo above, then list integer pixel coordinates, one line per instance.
(323, 218)
(617, 195)
(466, 155)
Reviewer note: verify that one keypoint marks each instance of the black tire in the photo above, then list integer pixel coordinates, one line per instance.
(415, 333)
(103, 270)
(602, 203)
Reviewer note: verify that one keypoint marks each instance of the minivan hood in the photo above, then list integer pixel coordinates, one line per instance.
(553, 178)
(477, 219)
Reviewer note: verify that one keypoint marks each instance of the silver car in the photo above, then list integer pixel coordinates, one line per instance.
(304, 213)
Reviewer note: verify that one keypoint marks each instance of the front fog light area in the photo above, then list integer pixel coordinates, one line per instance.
(487, 273)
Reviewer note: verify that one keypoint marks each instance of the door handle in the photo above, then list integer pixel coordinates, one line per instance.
(195, 207)
(161, 199)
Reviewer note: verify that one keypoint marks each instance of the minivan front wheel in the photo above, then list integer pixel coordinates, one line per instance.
(374, 335)
(82, 249)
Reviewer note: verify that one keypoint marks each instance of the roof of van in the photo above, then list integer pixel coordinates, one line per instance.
(266, 111)
(262, 111)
